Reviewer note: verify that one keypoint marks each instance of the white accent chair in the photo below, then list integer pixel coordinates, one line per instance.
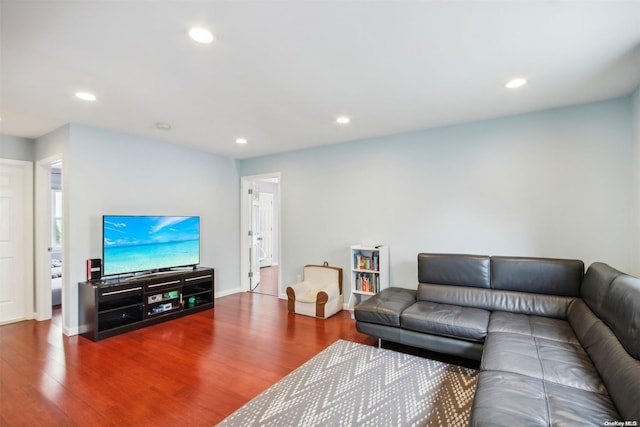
(319, 294)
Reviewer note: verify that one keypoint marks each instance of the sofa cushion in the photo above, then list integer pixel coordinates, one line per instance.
(618, 369)
(537, 275)
(496, 300)
(385, 307)
(537, 326)
(550, 360)
(454, 269)
(446, 320)
(510, 399)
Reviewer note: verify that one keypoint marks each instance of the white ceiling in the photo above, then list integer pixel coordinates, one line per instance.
(280, 72)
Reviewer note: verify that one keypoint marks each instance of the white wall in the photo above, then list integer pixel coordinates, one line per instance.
(52, 144)
(636, 168)
(555, 183)
(16, 148)
(112, 173)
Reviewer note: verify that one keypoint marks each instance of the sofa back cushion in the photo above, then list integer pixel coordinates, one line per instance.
(496, 300)
(454, 270)
(535, 286)
(546, 276)
(597, 280)
(615, 298)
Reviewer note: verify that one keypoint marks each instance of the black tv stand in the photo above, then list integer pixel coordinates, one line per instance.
(110, 307)
(144, 274)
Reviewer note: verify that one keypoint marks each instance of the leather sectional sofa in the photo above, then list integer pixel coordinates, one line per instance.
(557, 346)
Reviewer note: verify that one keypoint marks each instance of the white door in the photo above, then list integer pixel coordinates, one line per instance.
(254, 234)
(16, 240)
(266, 229)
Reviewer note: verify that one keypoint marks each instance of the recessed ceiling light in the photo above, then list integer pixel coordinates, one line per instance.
(343, 120)
(163, 126)
(201, 35)
(514, 83)
(241, 141)
(86, 96)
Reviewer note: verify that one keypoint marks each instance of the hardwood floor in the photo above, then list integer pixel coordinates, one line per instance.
(191, 371)
(268, 281)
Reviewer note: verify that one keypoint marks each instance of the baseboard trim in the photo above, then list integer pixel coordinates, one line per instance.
(71, 331)
(227, 292)
(19, 319)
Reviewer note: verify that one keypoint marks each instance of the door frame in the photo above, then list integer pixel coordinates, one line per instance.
(27, 233)
(246, 183)
(43, 238)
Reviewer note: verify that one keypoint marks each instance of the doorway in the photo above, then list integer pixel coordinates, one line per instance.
(56, 236)
(260, 235)
(50, 274)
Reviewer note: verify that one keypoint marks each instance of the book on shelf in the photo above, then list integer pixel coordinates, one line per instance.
(365, 262)
(367, 282)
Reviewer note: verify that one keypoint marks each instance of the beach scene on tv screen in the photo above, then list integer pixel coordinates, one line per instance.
(142, 243)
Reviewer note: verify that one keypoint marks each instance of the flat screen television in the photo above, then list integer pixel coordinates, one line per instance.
(134, 244)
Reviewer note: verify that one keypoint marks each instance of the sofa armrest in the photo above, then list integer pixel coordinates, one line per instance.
(385, 307)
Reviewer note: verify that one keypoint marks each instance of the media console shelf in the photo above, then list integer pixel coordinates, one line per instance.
(112, 307)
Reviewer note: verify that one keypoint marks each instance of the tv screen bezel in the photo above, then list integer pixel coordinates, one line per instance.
(159, 268)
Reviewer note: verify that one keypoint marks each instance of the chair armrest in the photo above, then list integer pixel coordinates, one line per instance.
(301, 291)
(307, 292)
(332, 291)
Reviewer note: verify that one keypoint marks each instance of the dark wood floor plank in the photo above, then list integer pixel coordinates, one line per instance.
(192, 371)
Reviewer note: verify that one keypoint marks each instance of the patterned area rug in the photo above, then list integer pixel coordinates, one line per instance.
(350, 384)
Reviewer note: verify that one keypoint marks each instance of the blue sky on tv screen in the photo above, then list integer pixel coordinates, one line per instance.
(145, 230)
